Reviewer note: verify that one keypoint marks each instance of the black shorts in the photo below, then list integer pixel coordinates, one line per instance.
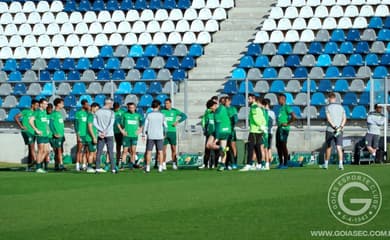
(151, 142)
(269, 141)
(255, 138)
(118, 138)
(372, 140)
(329, 137)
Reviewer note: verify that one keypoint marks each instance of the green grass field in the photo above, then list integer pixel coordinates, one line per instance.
(187, 204)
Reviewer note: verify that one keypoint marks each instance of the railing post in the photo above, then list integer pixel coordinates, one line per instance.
(385, 113)
(246, 104)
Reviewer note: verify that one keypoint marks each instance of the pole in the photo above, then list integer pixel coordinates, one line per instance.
(372, 97)
(308, 102)
(385, 109)
(246, 104)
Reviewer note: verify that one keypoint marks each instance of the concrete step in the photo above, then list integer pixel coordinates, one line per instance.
(226, 49)
(248, 12)
(232, 36)
(252, 3)
(240, 24)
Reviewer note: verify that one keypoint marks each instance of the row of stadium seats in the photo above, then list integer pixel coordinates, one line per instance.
(314, 3)
(308, 35)
(117, 16)
(295, 86)
(322, 11)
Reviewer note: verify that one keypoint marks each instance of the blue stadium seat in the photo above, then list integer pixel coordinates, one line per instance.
(292, 61)
(15, 76)
(10, 65)
(322, 113)
(324, 60)
(84, 97)
(24, 64)
(238, 100)
(341, 85)
(44, 75)
(254, 49)
(380, 72)
(118, 99)
(59, 75)
(246, 62)
(362, 47)
(98, 5)
(372, 59)
(136, 51)
(24, 102)
(387, 50)
(387, 22)
(337, 35)
(73, 75)
(187, 63)
(350, 98)
(84, 6)
(54, 64)
(284, 48)
(331, 48)
(262, 61)
(325, 85)
(313, 86)
(124, 88)
(184, 4)
(355, 60)
(112, 5)
(70, 6)
(127, 5)
(118, 75)
(151, 51)
(384, 35)
(103, 75)
(149, 75)
(155, 88)
(145, 101)
(300, 72)
(140, 4)
(277, 86)
(178, 75)
(172, 62)
(97, 63)
(315, 48)
(230, 87)
(242, 87)
(162, 98)
(48, 89)
(196, 50)
(359, 112)
(155, 4)
(68, 64)
(270, 72)
(289, 98)
(348, 71)
(332, 72)
(385, 60)
(378, 86)
(106, 51)
(166, 50)
(83, 64)
(353, 35)
(70, 101)
(99, 99)
(238, 74)
(297, 111)
(346, 48)
(12, 113)
(19, 89)
(72, 113)
(375, 22)
(139, 88)
(113, 63)
(78, 88)
(318, 99)
(364, 98)
(169, 4)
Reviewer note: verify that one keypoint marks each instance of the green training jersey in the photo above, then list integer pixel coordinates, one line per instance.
(118, 120)
(57, 124)
(256, 119)
(208, 122)
(131, 123)
(88, 137)
(81, 123)
(222, 120)
(284, 115)
(232, 111)
(26, 115)
(42, 122)
(171, 117)
(266, 118)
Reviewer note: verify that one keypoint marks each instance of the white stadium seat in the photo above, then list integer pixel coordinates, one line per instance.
(382, 11)
(61, 18)
(118, 16)
(298, 3)
(269, 24)
(130, 39)
(321, 12)
(34, 52)
(20, 52)
(328, 2)
(77, 52)
(43, 6)
(313, 3)
(53, 29)
(175, 15)
(146, 15)
(197, 26)
(124, 27)
(132, 15)
(314, 23)
(66, 29)
(104, 16)
(4, 7)
(358, 2)
(283, 3)
(351, 11)
(145, 38)
(20, 18)
(34, 18)
(5, 52)
(276, 36)
(219, 14)
(48, 52)
(56, 6)
(345, 23)
(291, 12)
(276, 13)
(15, 7)
(58, 40)
(292, 36)
(360, 22)
(153, 26)
(29, 41)
(48, 17)
(101, 39)
(138, 27)
(90, 17)
(205, 14)
(366, 11)
(190, 14)
(81, 28)
(95, 28)
(25, 29)
(299, 24)
(63, 52)
(15, 41)
(174, 38)
(198, 4)
(6, 18)
(212, 4)
(227, 4)
(86, 40)
(329, 23)
(336, 11)
(109, 27)
(75, 17)
(284, 24)
(169, 26)
(307, 35)
(10, 30)
(203, 38)
(72, 40)
(261, 37)
(159, 38)
(343, 2)
(91, 52)
(306, 12)
(211, 26)
(115, 39)
(161, 15)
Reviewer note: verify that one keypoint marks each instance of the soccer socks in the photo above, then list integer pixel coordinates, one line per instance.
(326, 163)
(39, 165)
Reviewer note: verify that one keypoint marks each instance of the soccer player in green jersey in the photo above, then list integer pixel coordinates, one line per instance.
(130, 127)
(58, 136)
(285, 117)
(91, 137)
(232, 111)
(49, 110)
(40, 123)
(80, 126)
(173, 117)
(208, 125)
(271, 123)
(22, 120)
(117, 133)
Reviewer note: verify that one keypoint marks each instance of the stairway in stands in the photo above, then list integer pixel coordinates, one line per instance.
(222, 55)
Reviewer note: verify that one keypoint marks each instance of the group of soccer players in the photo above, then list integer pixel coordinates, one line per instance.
(42, 127)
